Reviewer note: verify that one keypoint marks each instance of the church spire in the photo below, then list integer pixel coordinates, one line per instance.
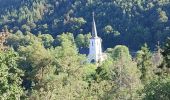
(95, 46)
(94, 30)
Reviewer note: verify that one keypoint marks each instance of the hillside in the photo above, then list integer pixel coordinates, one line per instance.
(42, 41)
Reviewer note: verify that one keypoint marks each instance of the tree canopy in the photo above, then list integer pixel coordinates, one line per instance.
(42, 58)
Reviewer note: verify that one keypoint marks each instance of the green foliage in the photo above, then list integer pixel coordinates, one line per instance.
(123, 72)
(145, 64)
(76, 23)
(120, 20)
(162, 16)
(166, 58)
(26, 28)
(18, 39)
(46, 67)
(108, 29)
(10, 76)
(157, 90)
(47, 40)
(127, 75)
(119, 51)
(166, 52)
(40, 69)
(89, 72)
(83, 41)
(60, 72)
(67, 55)
(105, 71)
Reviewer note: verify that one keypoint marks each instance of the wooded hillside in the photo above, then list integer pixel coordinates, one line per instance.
(129, 22)
(41, 39)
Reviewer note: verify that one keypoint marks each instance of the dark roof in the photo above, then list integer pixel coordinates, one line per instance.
(94, 30)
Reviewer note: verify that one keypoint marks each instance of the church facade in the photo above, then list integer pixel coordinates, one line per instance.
(95, 46)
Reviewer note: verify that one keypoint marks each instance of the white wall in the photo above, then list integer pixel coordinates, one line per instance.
(95, 49)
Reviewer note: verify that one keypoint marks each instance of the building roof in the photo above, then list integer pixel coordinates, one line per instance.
(94, 30)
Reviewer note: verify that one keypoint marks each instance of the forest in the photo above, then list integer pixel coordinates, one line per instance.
(40, 56)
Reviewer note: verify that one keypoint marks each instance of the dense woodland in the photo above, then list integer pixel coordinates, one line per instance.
(42, 59)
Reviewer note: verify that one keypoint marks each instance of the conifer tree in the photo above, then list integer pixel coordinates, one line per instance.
(145, 64)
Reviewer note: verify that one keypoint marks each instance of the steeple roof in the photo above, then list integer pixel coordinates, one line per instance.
(94, 30)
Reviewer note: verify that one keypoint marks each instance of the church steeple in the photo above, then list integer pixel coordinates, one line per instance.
(94, 30)
(95, 46)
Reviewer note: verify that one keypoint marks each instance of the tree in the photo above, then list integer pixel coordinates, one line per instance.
(76, 23)
(47, 40)
(18, 39)
(163, 18)
(26, 28)
(82, 41)
(105, 71)
(145, 64)
(119, 51)
(108, 29)
(123, 72)
(10, 78)
(127, 75)
(67, 54)
(61, 78)
(157, 90)
(40, 69)
(38, 62)
(165, 66)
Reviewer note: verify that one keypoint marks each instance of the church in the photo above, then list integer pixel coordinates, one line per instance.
(95, 47)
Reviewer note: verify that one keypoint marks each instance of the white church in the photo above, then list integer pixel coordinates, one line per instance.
(95, 47)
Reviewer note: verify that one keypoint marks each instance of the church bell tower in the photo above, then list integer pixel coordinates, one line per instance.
(95, 46)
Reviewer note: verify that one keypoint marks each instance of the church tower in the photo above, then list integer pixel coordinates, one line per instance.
(95, 47)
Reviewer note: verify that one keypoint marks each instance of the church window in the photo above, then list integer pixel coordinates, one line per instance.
(93, 61)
